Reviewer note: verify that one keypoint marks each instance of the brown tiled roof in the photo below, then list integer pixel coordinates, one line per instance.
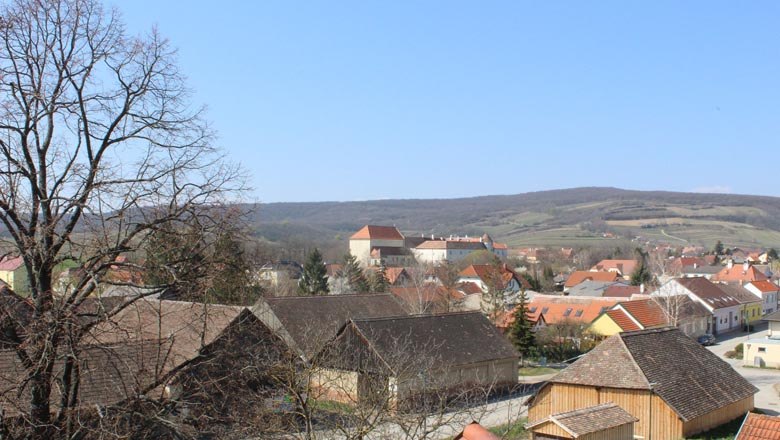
(312, 320)
(469, 287)
(450, 339)
(689, 378)
(587, 420)
(438, 297)
(393, 274)
(759, 427)
(619, 290)
(582, 275)
(189, 326)
(623, 321)
(373, 232)
(709, 292)
(739, 293)
(109, 374)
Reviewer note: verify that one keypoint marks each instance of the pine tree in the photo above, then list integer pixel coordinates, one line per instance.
(314, 278)
(521, 333)
(718, 250)
(641, 275)
(356, 279)
(379, 283)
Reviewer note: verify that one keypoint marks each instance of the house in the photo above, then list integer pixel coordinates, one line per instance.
(739, 273)
(277, 273)
(579, 276)
(14, 274)
(600, 422)
(505, 321)
(629, 316)
(700, 271)
(454, 249)
(490, 278)
(759, 427)
(387, 239)
(674, 387)
(563, 309)
(764, 352)
(306, 323)
(725, 309)
(617, 289)
(679, 311)
(751, 305)
(400, 357)
(767, 291)
(624, 268)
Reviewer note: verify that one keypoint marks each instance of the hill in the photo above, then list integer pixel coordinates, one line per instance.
(571, 217)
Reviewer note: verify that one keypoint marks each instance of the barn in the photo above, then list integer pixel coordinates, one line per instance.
(672, 385)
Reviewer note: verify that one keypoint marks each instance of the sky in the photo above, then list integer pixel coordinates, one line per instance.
(343, 100)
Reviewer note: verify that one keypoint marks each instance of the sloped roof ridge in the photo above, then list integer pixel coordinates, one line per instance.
(631, 355)
(587, 410)
(320, 297)
(419, 315)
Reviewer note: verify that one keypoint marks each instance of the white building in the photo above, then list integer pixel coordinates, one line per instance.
(380, 240)
(767, 291)
(725, 309)
(454, 249)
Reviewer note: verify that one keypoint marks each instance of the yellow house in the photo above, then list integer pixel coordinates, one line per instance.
(751, 306)
(629, 316)
(13, 273)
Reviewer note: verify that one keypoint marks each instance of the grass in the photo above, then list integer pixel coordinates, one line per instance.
(512, 431)
(536, 371)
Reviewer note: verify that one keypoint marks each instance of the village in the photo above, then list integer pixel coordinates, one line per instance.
(422, 335)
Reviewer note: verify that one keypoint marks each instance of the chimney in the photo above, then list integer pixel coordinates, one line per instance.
(745, 266)
(695, 265)
(730, 264)
(642, 288)
(431, 236)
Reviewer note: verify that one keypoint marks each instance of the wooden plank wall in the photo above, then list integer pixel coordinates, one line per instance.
(718, 417)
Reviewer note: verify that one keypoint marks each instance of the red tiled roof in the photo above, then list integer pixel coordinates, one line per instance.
(392, 274)
(560, 309)
(469, 288)
(646, 311)
(11, 264)
(584, 275)
(766, 286)
(475, 431)
(738, 273)
(625, 267)
(373, 232)
(759, 427)
(623, 320)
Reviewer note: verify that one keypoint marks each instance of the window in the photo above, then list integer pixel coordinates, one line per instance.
(532, 310)
(545, 310)
(762, 349)
(578, 314)
(567, 312)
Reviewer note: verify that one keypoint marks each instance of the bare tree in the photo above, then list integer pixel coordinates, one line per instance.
(100, 145)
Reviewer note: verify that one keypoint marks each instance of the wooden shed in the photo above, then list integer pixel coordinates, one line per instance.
(601, 422)
(671, 384)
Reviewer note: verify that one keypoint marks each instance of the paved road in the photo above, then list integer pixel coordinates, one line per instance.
(764, 379)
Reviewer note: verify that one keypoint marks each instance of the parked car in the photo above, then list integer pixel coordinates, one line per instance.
(706, 339)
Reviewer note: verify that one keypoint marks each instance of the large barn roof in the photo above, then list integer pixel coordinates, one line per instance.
(688, 377)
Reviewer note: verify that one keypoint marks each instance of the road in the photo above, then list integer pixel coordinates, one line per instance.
(764, 379)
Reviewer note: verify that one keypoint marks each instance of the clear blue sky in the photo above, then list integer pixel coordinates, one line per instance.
(338, 100)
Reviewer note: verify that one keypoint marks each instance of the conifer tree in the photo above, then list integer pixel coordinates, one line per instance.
(314, 278)
(521, 333)
(379, 283)
(356, 279)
